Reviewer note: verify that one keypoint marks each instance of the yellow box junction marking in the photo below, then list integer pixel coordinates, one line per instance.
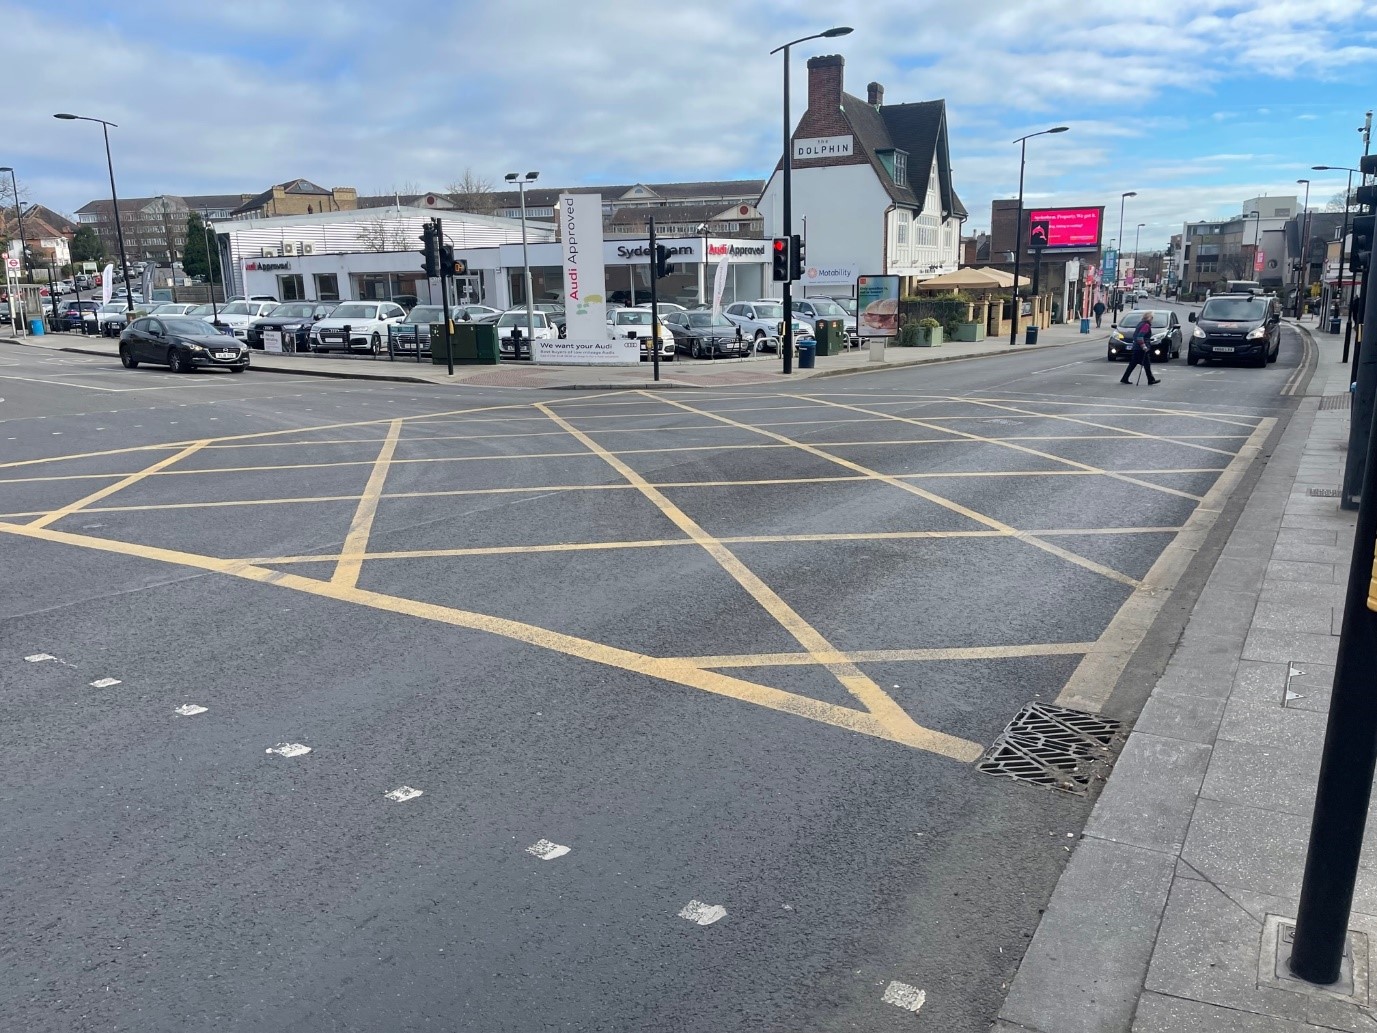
(356, 542)
(119, 485)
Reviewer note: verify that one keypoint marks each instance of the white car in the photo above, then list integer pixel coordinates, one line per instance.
(513, 322)
(367, 323)
(762, 320)
(237, 315)
(636, 322)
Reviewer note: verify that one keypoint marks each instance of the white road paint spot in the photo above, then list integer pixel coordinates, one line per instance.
(901, 995)
(289, 749)
(703, 914)
(104, 683)
(547, 851)
(404, 793)
(38, 658)
(189, 710)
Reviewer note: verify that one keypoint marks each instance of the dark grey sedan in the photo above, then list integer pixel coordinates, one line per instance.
(181, 344)
(698, 335)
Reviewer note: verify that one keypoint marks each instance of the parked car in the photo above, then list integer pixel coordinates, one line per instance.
(182, 344)
(71, 313)
(293, 319)
(413, 332)
(699, 335)
(812, 309)
(367, 323)
(1236, 326)
(475, 314)
(512, 324)
(637, 322)
(237, 315)
(170, 308)
(110, 319)
(555, 314)
(406, 301)
(1166, 335)
(206, 311)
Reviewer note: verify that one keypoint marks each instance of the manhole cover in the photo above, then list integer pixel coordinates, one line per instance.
(1344, 401)
(1054, 747)
(1323, 493)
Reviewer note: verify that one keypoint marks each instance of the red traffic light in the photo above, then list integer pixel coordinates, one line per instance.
(781, 244)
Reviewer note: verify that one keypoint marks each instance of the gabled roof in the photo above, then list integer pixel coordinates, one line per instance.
(292, 186)
(196, 202)
(682, 213)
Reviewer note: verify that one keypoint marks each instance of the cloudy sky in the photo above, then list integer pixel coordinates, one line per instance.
(1195, 104)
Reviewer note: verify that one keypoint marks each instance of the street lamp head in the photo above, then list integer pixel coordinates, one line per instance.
(66, 116)
(1302, 181)
(1129, 193)
(531, 176)
(1058, 129)
(840, 30)
(510, 177)
(5, 168)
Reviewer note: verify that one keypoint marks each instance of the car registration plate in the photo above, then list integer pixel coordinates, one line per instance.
(225, 355)
(1221, 348)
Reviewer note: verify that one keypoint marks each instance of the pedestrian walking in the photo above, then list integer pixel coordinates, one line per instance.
(1140, 351)
(1098, 309)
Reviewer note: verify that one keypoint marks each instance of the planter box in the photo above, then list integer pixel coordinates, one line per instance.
(929, 338)
(969, 332)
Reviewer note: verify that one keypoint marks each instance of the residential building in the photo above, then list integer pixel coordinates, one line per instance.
(154, 227)
(871, 183)
(47, 235)
(297, 197)
(1305, 264)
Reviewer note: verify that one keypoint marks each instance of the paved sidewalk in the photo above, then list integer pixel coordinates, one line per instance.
(682, 373)
(1166, 918)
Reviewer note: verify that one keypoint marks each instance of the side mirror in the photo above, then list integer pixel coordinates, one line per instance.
(1191, 317)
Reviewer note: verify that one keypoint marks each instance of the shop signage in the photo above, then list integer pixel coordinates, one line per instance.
(1259, 260)
(643, 250)
(266, 267)
(587, 341)
(737, 251)
(823, 147)
(830, 274)
(272, 340)
(877, 302)
(1064, 228)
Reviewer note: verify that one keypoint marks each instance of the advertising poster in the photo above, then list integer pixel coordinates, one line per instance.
(272, 340)
(587, 340)
(877, 305)
(1054, 228)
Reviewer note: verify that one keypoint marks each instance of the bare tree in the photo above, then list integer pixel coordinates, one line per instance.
(382, 234)
(1336, 203)
(473, 193)
(1234, 266)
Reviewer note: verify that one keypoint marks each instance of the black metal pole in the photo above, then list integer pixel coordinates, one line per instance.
(19, 217)
(1360, 426)
(444, 302)
(76, 286)
(1018, 243)
(1350, 750)
(654, 302)
(52, 293)
(787, 344)
(210, 271)
(119, 227)
(1343, 264)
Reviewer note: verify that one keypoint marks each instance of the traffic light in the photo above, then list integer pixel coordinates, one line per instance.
(430, 252)
(796, 258)
(446, 259)
(458, 266)
(661, 261)
(1361, 255)
(779, 256)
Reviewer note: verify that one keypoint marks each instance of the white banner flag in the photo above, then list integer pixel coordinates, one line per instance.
(107, 284)
(719, 284)
(587, 340)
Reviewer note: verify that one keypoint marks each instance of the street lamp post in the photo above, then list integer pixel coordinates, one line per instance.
(115, 201)
(1137, 236)
(1022, 142)
(23, 248)
(1343, 243)
(1304, 249)
(1119, 259)
(530, 177)
(787, 347)
(210, 272)
(702, 265)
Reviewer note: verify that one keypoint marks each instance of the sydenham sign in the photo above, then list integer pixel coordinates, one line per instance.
(586, 340)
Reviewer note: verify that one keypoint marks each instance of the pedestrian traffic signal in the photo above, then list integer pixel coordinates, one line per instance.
(430, 252)
(662, 268)
(1361, 255)
(796, 258)
(779, 256)
(458, 266)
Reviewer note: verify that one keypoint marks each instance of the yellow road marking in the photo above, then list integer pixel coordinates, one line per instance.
(356, 541)
(884, 656)
(670, 670)
(945, 503)
(871, 696)
(1123, 432)
(1094, 679)
(110, 489)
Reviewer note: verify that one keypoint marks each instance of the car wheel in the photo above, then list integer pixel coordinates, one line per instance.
(176, 362)
(127, 358)
(1192, 359)
(696, 350)
(759, 341)
(375, 345)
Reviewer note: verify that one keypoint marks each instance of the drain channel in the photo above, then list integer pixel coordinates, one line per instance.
(1054, 747)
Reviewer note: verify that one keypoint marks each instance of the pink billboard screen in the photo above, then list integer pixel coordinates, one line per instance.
(1055, 228)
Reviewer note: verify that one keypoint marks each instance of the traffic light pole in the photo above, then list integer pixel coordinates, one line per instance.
(1364, 368)
(444, 301)
(1350, 741)
(654, 300)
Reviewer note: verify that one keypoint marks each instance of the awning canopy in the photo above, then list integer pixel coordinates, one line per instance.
(971, 279)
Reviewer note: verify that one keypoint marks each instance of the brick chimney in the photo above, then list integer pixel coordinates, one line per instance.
(825, 83)
(874, 95)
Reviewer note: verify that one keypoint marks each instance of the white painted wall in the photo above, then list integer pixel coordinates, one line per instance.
(845, 207)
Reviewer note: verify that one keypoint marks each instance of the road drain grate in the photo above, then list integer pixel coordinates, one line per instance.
(1054, 747)
(1324, 493)
(1344, 401)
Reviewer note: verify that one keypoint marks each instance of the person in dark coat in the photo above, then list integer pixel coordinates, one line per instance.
(1098, 309)
(1140, 351)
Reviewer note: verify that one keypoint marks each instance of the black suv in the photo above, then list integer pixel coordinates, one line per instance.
(1236, 326)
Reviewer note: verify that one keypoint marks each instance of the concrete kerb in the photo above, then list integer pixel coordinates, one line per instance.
(1087, 965)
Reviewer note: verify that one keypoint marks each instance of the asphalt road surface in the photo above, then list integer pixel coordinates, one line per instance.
(692, 684)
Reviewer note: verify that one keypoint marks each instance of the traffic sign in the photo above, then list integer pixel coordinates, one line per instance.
(12, 263)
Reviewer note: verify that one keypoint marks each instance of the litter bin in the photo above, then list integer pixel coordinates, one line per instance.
(807, 355)
(36, 327)
(1334, 324)
(1031, 335)
(1085, 326)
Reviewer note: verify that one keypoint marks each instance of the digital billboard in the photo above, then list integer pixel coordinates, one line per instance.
(1057, 229)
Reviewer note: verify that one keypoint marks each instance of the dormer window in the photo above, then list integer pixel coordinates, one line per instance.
(900, 169)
